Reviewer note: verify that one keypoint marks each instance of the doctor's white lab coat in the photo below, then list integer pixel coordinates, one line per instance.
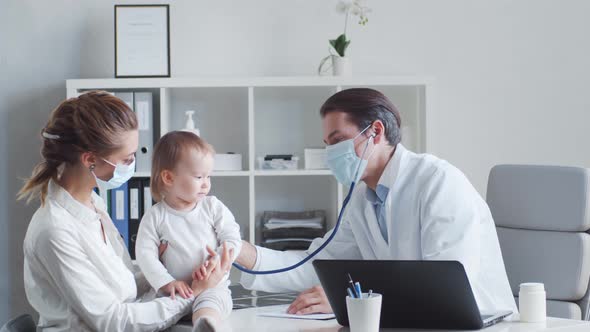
(433, 213)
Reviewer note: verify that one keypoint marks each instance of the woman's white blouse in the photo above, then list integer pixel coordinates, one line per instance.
(79, 282)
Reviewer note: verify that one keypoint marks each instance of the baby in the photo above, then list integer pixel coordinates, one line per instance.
(189, 221)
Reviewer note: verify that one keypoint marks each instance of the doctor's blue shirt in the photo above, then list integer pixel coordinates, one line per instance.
(377, 199)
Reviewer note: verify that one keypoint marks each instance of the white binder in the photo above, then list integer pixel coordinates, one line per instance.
(144, 111)
(127, 97)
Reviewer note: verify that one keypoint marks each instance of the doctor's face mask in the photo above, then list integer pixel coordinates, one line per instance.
(343, 161)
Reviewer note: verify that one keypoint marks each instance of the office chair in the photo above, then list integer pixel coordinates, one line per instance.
(542, 215)
(22, 323)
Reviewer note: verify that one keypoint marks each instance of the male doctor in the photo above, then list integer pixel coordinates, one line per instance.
(405, 206)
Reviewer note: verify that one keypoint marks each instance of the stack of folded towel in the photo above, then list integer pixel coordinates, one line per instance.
(292, 230)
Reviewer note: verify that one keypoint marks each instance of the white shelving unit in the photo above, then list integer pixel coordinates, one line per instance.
(268, 115)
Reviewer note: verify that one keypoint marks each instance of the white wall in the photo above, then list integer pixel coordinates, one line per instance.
(512, 77)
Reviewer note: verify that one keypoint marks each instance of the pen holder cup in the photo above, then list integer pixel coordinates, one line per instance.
(364, 314)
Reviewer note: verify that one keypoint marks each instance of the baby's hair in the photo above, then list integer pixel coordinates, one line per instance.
(169, 151)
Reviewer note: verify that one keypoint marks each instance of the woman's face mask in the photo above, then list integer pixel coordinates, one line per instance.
(121, 175)
(342, 159)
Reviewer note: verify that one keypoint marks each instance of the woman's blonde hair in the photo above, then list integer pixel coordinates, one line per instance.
(169, 151)
(92, 122)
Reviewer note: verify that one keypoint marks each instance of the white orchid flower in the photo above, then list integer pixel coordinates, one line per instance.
(343, 6)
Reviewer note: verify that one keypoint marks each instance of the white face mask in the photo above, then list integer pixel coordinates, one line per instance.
(342, 159)
(121, 175)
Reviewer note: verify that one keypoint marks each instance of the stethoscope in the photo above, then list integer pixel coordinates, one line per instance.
(320, 248)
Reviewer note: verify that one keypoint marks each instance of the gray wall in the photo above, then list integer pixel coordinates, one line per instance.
(512, 77)
(40, 46)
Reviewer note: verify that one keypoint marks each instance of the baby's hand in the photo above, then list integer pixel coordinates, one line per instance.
(200, 273)
(179, 287)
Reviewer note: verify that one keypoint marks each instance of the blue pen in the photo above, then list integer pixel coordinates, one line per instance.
(352, 286)
(357, 287)
(350, 293)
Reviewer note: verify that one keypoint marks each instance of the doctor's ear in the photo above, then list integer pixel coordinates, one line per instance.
(377, 130)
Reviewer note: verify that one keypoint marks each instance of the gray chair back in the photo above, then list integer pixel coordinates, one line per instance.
(22, 323)
(542, 215)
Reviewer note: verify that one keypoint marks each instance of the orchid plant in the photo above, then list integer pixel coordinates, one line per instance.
(349, 8)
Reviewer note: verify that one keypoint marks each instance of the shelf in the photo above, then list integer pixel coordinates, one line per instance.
(215, 174)
(194, 82)
(221, 114)
(142, 175)
(295, 194)
(230, 173)
(287, 119)
(258, 116)
(297, 172)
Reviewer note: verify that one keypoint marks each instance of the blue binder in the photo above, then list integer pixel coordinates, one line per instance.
(120, 211)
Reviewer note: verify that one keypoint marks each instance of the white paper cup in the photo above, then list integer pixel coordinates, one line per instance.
(364, 314)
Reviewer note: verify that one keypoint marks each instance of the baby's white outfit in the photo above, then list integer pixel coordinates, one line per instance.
(187, 233)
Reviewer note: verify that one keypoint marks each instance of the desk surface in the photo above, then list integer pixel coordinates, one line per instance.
(248, 320)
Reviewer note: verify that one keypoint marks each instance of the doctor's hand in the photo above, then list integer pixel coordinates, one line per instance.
(311, 301)
(212, 271)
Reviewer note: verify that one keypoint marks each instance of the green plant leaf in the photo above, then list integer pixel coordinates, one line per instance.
(345, 46)
(340, 44)
(333, 43)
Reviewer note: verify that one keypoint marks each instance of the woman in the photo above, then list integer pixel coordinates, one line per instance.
(78, 274)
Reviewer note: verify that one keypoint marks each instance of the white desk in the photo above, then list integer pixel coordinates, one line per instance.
(247, 320)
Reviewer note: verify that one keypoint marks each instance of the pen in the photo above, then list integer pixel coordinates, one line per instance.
(370, 292)
(357, 287)
(350, 293)
(352, 286)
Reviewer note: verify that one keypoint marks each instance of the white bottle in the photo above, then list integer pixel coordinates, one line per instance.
(531, 302)
(190, 124)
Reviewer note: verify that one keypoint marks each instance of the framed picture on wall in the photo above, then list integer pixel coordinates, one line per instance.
(142, 41)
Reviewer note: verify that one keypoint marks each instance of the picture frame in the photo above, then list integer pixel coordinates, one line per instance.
(142, 41)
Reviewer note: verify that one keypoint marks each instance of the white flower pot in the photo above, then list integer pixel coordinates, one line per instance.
(341, 66)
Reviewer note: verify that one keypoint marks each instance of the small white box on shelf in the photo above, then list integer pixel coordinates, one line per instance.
(227, 162)
(278, 164)
(315, 158)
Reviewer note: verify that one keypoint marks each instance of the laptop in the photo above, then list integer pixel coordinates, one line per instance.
(416, 294)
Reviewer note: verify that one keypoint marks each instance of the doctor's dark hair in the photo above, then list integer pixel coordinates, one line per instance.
(92, 122)
(169, 151)
(364, 106)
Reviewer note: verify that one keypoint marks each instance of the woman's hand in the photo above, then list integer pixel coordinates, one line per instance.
(212, 271)
(179, 287)
(311, 301)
